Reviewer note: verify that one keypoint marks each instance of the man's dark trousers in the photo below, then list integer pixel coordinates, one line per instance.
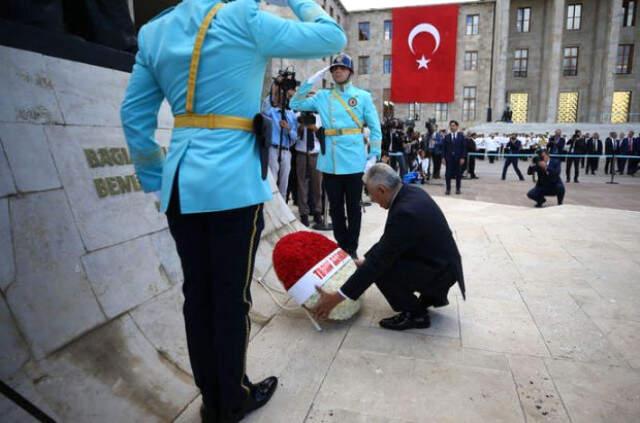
(437, 163)
(407, 277)
(538, 193)
(217, 251)
(508, 162)
(453, 170)
(345, 190)
(575, 162)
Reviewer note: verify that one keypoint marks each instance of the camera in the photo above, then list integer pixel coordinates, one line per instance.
(286, 80)
(307, 118)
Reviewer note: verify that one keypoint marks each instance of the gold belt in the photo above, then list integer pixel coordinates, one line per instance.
(192, 120)
(343, 131)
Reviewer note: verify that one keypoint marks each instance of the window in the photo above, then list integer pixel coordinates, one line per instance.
(523, 18)
(415, 111)
(363, 65)
(386, 64)
(363, 31)
(331, 11)
(520, 63)
(338, 19)
(568, 107)
(472, 24)
(570, 61)
(442, 112)
(629, 17)
(388, 30)
(620, 106)
(470, 60)
(574, 16)
(468, 103)
(625, 59)
(519, 107)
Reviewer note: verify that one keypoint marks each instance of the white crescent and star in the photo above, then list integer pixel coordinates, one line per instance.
(419, 29)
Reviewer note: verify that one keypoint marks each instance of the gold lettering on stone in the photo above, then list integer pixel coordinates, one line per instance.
(105, 158)
(101, 187)
(112, 185)
(92, 158)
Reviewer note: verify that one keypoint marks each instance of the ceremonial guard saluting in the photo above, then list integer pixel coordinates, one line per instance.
(208, 59)
(343, 111)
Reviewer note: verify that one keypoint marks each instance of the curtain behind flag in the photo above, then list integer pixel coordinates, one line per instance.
(424, 54)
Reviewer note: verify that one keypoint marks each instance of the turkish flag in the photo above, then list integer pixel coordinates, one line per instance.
(424, 54)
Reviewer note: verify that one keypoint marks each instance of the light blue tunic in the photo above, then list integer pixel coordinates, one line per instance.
(220, 168)
(344, 154)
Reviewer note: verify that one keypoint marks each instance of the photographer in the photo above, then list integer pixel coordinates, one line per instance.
(548, 178)
(309, 179)
(512, 149)
(396, 149)
(284, 128)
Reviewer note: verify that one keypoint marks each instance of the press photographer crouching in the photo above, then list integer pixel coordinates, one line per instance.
(548, 181)
(309, 179)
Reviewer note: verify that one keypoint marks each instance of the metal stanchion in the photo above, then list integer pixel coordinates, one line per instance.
(325, 225)
(612, 169)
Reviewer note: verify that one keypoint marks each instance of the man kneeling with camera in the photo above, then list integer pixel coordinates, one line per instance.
(548, 181)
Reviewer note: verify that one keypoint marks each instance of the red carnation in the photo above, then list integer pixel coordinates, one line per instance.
(295, 254)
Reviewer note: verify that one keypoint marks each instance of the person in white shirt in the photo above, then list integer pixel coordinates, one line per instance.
(421, 165)
(308, 178)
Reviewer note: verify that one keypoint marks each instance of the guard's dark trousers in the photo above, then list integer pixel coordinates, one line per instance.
(575, 162)
(345, 190)
(217, 252)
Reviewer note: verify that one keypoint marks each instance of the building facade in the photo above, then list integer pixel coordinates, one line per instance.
(548, 60)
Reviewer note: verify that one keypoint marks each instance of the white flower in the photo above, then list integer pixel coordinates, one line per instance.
(347, 308)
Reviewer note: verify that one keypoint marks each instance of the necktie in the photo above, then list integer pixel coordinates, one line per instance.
(310, 140)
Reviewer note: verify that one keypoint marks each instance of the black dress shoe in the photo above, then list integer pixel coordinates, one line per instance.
(406, 320)
(447, 192)
(207, 415)
(317, 218)
(304, 219)
(261, 394)
(458, 192)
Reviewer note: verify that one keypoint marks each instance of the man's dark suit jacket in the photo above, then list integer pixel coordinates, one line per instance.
(455, 149)
(416, 231)
(556, 147)
(549, 179)
(594, 146)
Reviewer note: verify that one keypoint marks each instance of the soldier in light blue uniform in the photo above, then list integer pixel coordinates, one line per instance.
(343, 110)
(208, 59)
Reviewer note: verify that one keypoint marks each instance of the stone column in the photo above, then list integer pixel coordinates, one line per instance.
(615, 17)
(553, 60)
(501, 48)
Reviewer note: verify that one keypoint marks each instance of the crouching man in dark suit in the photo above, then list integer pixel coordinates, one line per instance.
(416, 254)
(548, 179)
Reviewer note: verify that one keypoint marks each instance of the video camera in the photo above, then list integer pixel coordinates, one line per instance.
(286, 80)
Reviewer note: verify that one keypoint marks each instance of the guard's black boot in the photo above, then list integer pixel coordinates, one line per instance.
(304, 219)
(261, 394)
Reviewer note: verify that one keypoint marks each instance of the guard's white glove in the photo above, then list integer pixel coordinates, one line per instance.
(158, 195)
(281, 3)
(318, 76)
(371, 160)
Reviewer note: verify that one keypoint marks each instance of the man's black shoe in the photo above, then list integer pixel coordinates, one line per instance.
(458, 192)
(206, 415)
(304, 219)
(538, 205)
(406, 320)
(576, 181)
(447, 192)
(317, 218)
(261, 393)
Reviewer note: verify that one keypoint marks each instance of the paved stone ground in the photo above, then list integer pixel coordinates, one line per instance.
(549, 332)
(590, 191)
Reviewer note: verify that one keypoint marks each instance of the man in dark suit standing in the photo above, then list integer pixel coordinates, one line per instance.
(455, 152)
(576, 146)
(556, 144)
(635, 152)
(548, 179)
(513, 147)
(594, 147)
(417, 253)
(609, 150)
(627, 149)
